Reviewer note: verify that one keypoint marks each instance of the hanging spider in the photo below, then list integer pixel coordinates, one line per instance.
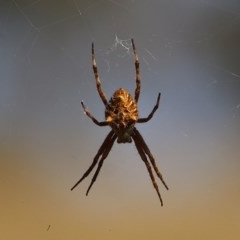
(121, 115)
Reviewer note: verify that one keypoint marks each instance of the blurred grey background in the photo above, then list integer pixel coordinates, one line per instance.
(188, 50)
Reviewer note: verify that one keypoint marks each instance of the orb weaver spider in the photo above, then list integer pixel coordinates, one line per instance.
(121, 115)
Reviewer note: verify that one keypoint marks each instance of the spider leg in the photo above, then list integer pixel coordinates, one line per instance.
(138, 83)
(95, 160)
(143, 120)
(101, 124)
(104, 155)
(147, 151)
(144, 158)
(98, 82)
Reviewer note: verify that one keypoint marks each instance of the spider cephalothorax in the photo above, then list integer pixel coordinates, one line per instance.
(121, 114)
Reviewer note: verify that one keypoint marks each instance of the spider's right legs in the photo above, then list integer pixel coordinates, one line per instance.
(98, 82)
(100, 152)
(138, 83)
(101, 124)
(107, 149)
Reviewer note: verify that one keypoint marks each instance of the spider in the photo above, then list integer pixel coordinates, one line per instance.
(121, 114)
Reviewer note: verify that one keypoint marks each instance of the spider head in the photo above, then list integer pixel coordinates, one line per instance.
(123, 129)
(124, 133)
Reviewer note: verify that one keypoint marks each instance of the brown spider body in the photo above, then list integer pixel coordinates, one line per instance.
(122, 113)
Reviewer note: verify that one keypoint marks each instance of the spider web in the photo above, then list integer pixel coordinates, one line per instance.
(44, 38)
(188, 50)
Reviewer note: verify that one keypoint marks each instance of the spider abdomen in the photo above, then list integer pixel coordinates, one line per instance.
(122, 113)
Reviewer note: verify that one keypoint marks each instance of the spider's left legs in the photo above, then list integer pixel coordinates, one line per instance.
(107, 149)
(138, 83)
(101, 124)
(144, 158)
(98, 82)
(143, 120)
(147, 151)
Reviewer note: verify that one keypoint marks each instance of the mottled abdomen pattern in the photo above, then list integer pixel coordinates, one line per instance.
(122, 113)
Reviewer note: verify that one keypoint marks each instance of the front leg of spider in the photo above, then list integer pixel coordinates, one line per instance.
(107, 142)
(121, 114)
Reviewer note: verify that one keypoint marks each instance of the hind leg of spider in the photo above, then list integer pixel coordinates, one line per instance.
(95, 160)
(138, 83)
(97, 78)
(101, 124)
(144, 158)
(152, 160)
(143, 120)
(105, 153)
